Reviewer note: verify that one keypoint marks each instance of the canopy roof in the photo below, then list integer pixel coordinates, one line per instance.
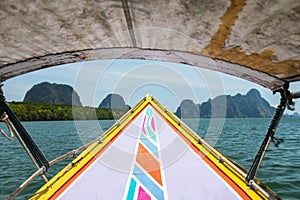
(256, 40)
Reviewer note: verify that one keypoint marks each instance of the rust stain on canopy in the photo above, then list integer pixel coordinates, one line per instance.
(266, 60)
(257, 40)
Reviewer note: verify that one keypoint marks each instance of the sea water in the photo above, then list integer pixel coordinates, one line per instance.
(239, 139)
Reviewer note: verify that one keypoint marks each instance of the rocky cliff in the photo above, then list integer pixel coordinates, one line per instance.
(113, 101)
(238, 106)
(52, 93)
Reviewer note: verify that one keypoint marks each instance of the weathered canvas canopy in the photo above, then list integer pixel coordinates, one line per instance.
(256, 40)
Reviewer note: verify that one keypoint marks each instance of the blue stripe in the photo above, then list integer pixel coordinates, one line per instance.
(131, 190)
(148, 183)
(149, 145)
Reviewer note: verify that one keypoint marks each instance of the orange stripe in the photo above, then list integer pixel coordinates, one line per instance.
(149, 163)
(239, 190)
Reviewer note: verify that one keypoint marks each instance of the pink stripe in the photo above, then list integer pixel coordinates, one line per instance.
(143, 126)
(153, 124)
(143, 195)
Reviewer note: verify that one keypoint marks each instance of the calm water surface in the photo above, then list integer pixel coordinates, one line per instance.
(239, 140)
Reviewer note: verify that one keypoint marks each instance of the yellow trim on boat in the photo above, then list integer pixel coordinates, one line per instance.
(50, 188)
(207, 151)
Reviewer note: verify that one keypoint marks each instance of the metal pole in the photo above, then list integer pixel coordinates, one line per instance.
(26, 183)
(15, 133)
(24, 138)
(284, 101)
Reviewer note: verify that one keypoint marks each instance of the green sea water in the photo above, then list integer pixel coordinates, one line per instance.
(239, 140)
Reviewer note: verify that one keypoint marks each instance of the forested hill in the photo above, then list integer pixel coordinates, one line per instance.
(46, 101)
(51, 101)
(238, 106)
(52, 93)
(113, 101)
(48, 112)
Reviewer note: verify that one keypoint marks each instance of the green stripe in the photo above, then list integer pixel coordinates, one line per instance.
(148, 126)
(131, 190)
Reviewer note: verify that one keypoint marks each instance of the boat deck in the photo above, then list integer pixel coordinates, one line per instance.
(150, 154)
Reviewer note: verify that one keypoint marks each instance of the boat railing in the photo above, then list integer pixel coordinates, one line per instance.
(42, 170)
(39, 172)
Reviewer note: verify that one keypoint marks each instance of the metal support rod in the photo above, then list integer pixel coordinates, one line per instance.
(10, 127)
(285, 95)
(24, 147)
(28, 142)
(296, 95)
(27, 182)
(72, 153)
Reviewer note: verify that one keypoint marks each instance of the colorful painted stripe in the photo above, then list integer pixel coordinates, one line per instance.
(149, 126)
(155, 190)
(146, 177)
(143, 195)
(147, 143)
(149, 163)
(131, 191)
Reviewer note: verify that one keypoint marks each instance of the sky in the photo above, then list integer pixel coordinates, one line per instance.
(169, 83)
